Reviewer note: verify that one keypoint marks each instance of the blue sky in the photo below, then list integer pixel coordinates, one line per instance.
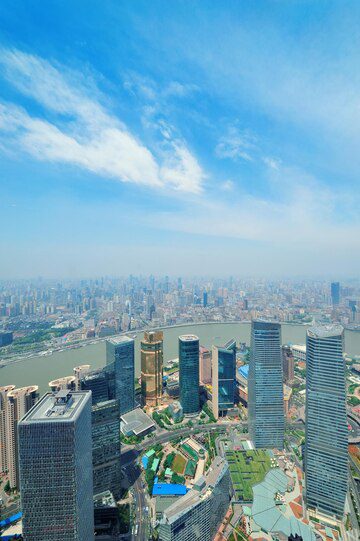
(183, 137)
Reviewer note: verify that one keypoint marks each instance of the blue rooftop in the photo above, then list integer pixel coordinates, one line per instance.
(10, 520)
(168, 489)
(244, 371)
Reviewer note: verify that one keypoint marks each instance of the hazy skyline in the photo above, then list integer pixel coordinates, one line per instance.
(180, 138)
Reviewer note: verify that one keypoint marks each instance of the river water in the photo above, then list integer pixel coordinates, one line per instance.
(40, 370)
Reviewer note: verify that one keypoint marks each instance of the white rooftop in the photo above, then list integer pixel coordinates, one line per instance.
(188, 337)
(325, 331)
(62, 406)
(120, 339)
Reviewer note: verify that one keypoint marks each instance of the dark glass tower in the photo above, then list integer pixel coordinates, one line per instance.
(326, 444)
(335, 293)
(120, 358)
(223, 377)
(265, 386)
(189, 373)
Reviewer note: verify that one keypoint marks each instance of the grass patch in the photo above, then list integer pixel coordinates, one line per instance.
(178, 465)
(247, 468)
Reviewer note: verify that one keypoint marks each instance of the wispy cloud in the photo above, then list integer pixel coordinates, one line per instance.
(236, 144)
(78, 129)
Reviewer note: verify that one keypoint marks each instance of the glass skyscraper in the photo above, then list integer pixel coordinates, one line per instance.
(189, 373)
(56, 478)
(335, 293)
(265, 386)
(326, 444)
(197, 515)
(223, 377)
(152, 368)
(120, 358)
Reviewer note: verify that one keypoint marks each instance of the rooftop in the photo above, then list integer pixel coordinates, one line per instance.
(136, 421)
(200, 490)
(62, 406)
(21, 391)
(188, 337)
(120, 339)
(325, 331)
(104, 499)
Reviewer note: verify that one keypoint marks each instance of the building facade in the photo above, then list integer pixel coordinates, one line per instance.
(56, 469)
(189, 373)
(205, 366)
(152, 368)
(120, 359)
(197, 515)
(265, 386)
(335, 293)
(14, 403)
(105, 422)
(288, 364)
(223, 378)
(326, 443)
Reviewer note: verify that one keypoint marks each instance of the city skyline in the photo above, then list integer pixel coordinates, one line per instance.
(135, 128)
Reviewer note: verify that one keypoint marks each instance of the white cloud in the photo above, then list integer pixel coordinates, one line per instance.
(82, 132)
(236, 144)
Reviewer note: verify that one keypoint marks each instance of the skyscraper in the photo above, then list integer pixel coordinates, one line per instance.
(120, 358)
(152, 368)
(106, 454)
(288, 364)
(56, 469)
(105, 422)
(223, 377)
(326, 453)
(197, 515)
(189, 373)
(265, 386)
(14, 403)
(205, 365)
(335, 293)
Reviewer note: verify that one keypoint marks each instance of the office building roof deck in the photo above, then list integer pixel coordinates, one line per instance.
(62, 406)
(136, 421)
(267, 514)
(188, 337)
(115, 340)
(21, 391)
(198, 492)
(169, 489)
(325, 331)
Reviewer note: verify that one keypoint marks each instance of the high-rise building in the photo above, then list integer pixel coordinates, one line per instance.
(106, 454)
(14, 403)
(197, 515)
(326, 443)
(189, 373)
(205, 366)
(265, 386)
(4, 438)
(56, 468)
(223, 378)
(288, 364)
(335, 293)
(152, 368)
(120, 358)
(105, 421)
(205, 299)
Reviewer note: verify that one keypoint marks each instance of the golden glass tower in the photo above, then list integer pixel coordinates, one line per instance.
(151, 368)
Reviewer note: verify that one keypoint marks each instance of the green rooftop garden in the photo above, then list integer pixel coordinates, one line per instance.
(247, 468)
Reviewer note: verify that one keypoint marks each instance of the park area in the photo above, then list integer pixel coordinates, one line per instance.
(247, 468)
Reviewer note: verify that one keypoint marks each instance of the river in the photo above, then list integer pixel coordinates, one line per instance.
(42, 369)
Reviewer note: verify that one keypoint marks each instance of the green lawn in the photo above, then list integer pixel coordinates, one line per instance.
(179, 464)
(247, 468)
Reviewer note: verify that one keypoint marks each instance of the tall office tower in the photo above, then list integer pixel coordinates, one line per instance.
(288, 364)
(265, 386)
(326, 453)
(205, 299)
(64, 383)
(106, 453)
(197, 515)
(120, 358)
(205, 366)
(152, 368)
(19, 402)
(80, 372)
(4, 438)
(189, 373)
(223, 378)
(56, 468)
(335, 293)
(105, 422)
